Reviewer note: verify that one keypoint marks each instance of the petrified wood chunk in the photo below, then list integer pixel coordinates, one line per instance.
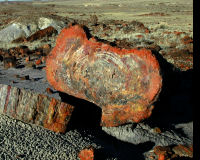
(86, 154)
(124, 83)
(35, 108)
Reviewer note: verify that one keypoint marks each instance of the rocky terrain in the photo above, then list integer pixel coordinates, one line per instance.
(28, 32)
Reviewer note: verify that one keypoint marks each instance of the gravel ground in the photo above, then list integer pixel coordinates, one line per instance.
(24, 141)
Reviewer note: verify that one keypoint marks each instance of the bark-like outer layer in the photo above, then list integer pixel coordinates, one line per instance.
(124, 83)
(35, 108)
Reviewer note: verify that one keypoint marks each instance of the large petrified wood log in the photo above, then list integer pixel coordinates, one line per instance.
(124, 83)
(34, 108)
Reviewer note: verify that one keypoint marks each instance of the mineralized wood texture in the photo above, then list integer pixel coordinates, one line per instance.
(34, 108)
(124, 83)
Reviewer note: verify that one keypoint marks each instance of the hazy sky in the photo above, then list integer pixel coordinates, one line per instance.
(20, 0)
(15, 0)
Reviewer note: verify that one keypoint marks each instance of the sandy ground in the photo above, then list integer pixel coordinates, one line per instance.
(173, 114)
(176, 13)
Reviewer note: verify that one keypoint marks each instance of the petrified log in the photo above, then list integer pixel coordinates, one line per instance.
(124, 83)
(35, 108)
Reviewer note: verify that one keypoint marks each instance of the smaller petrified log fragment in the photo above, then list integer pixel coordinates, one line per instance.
(35, 108)
(124, 83)
(162, 152)
(183, 150)
(38, 62)
(173, 152)
(86, 154)
(42, 33)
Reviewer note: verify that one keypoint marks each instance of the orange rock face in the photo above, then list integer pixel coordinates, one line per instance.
(124, 83)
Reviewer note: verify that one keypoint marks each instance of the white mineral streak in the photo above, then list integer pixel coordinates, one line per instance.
(112, 56)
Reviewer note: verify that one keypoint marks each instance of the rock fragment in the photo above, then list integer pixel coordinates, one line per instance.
(141, 133)
(49, 91)
(9, 62)
(27, 59)
(35, 108)
(186, 40)
(183, 150)
(42, 33)
(162, 152)
(124, 83)
(86, 154)
(11, 33)
(44, 22)
(173, 152)
(47, 32)
(38, 62)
